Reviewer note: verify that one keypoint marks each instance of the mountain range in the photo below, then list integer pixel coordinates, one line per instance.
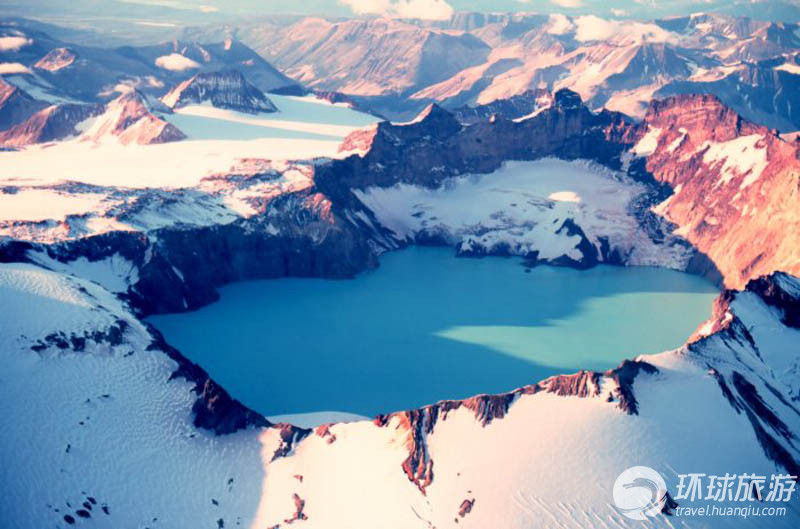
(750, 65)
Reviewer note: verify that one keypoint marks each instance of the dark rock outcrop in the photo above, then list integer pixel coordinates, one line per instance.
(225, 89)
(436, 146)
(514, 107)
(466, 507)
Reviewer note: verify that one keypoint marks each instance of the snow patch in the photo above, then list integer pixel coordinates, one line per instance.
(47, 204)
(792, 68)
(740, 156)
(9, 68)
(176, 62)
(14, 43)
(677, 141)
(565, 196)
(649, 142)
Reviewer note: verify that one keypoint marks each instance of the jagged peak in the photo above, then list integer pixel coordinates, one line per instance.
(436, 117)
(133, 95)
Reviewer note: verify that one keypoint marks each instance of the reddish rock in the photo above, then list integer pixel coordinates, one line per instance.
(466, 507)
(747, 224)
(299, 505)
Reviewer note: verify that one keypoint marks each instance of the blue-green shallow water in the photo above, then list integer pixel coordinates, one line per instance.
(426, 326)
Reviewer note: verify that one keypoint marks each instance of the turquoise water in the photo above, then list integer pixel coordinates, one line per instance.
(427, 326)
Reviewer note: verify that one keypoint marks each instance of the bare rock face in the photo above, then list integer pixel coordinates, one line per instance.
(436, 145)
(298, 515)
(401, 57)
(226, 89)
(736, 184)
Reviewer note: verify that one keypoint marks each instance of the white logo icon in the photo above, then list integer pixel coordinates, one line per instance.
(640, 492)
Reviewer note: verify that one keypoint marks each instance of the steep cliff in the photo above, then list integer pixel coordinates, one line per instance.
(736, 185)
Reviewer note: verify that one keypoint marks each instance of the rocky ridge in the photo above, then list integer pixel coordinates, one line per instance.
(126, 119)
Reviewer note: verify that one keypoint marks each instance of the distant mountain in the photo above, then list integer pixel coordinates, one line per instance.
(55, 122)
(227, 89)
(88, 74)
(474, 59)
(764, 92)
(369, 57)
(177, 59)
(126, 119)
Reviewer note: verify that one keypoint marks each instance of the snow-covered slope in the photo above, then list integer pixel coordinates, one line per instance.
(230, 164)
(124, 120)
(548, 210)
(103, 430)
(128, 119)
